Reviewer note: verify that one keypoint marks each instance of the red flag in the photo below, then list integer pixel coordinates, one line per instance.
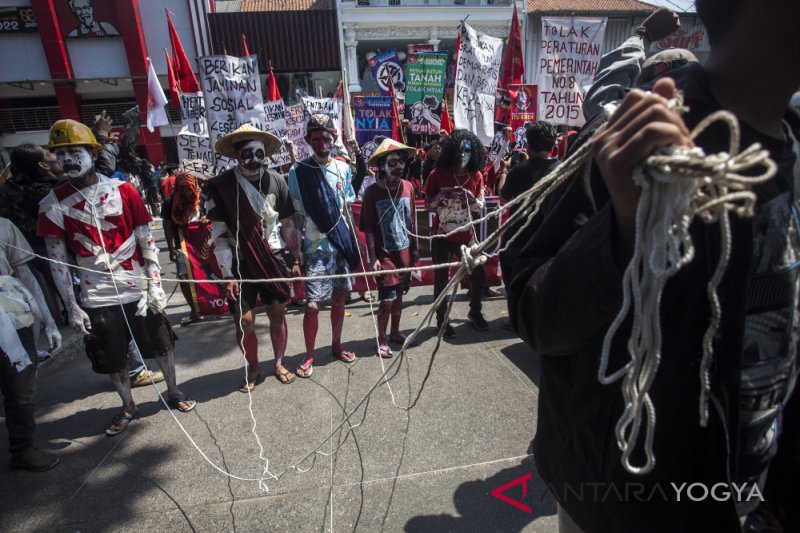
(395, 114)
(174, 93)
(447, 124)
(245, 50)
(339, 89)
(183, 69)
(272, 87)
(513, 65)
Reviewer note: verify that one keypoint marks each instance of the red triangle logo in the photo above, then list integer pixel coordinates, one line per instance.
(523, 480)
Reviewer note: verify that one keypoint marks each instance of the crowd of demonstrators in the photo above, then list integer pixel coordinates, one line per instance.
(102, 226)
(454, 191)
(387, 217)
(567, 288)
(321, 190)
(184, 206)
(250, 209)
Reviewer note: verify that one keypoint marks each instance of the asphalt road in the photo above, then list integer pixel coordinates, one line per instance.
(429, 468)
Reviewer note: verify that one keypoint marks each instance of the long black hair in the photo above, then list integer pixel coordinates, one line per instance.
(450, 158)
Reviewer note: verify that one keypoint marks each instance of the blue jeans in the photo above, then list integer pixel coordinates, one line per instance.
(19, 391)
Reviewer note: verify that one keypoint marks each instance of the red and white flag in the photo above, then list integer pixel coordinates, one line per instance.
(156, 101)
(183, 69)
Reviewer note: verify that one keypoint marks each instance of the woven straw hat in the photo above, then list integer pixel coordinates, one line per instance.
(388, 146)
(246, 132)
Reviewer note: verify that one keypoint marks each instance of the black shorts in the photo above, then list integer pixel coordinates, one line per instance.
(107, 342)
(249, 293)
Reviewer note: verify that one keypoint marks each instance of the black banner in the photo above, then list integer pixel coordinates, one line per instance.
(17, 20)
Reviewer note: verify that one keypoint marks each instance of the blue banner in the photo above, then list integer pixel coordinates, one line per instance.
(386, 69)
(373, 121)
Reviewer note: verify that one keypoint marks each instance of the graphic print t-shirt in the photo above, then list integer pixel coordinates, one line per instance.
(387, 215)
(455, 212)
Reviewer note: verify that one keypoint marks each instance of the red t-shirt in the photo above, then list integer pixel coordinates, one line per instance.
(387, 215)
(453, 210)
(65, 213)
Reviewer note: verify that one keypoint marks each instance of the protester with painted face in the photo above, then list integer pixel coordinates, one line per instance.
(321, 189)
(454, 190)
(387, 217)
(250, 209)
(184, 206)
(102, 225)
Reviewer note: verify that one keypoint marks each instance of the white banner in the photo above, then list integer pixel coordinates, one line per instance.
(478, 68)
(326, 106)
(232, 92)
(193, 114)
(569, 54)
(296, 130)
(275, 114)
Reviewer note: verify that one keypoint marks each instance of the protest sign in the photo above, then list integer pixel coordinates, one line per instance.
(502, 108)
(206, 170)
(275, 122)
(232, 93)
(419, 48)
(569, 55)
(198, 148)
(193, 114)
(478, 68)
(373, 121)
(296, 130)
(198, 248)
(497, 150)
(386, 69)
(425, 91)
(326, 106)
(523, 110)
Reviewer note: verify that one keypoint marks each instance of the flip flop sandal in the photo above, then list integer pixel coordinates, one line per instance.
(283, 372)
(191, 319)
(385, 354)
(346, 356)
(305, 373)
(184, 406)
(119, 423)
(247, 386)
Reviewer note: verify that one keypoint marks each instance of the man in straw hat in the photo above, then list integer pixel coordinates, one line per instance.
(101, 224)
(321, 189)
(387, 217)
(249, 207)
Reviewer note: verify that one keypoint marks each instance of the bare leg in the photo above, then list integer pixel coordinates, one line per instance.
(384, 312)
(310, 327)
(278, 332)
(122, 383)
(337, 319)
(247, 340)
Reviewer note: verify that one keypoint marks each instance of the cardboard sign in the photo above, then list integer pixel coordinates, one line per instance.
(477, 71)
(569, 55)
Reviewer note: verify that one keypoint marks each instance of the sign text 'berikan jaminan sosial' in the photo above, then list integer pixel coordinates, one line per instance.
(569, 55)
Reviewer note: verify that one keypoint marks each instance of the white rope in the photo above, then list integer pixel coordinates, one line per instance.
(677, 184)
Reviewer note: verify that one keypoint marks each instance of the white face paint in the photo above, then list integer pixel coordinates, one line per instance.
(251, 157)
(76, 161)
(394, 166)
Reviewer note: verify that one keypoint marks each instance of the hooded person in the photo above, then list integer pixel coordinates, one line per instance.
(388, 220)
(251, 215)
(321, 189)
(102, 225)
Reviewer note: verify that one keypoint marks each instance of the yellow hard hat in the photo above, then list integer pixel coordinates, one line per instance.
(70, 132)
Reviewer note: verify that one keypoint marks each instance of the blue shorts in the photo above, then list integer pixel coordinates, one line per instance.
(321, 263)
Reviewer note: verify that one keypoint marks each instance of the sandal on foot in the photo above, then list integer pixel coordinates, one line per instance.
(345, 356)
(183, 405)
(250, 384)
(284, 375)
(385, 353)
(191, 319)
(305, 373)
(119, 423)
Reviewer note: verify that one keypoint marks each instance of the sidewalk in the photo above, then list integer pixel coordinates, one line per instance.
(432, 468)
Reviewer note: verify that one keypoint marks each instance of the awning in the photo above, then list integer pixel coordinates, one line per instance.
(295, 41)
